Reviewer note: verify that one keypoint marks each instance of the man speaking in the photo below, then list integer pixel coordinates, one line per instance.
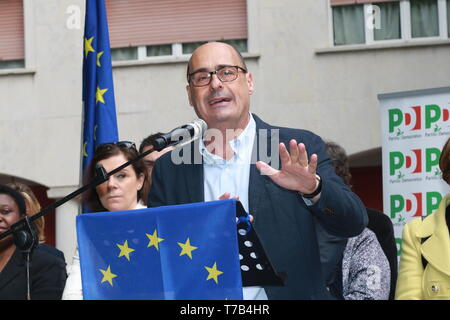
(281, 200)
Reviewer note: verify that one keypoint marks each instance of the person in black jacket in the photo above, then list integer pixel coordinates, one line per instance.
(381, 225)
(47, 271)
(332, 248)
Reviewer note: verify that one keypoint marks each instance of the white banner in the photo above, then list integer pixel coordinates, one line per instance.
(414, 126)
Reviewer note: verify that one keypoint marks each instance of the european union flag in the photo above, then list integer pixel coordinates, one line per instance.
(176, 252)
(99, 111)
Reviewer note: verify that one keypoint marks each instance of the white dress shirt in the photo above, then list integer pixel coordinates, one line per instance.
(220, 176)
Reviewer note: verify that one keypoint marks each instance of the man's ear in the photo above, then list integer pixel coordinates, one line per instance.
(188, 89)
(250, 84)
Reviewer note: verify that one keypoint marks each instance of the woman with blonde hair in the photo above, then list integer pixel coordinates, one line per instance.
(32, 207)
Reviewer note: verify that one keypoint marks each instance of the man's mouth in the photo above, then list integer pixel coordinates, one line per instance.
(218, 100)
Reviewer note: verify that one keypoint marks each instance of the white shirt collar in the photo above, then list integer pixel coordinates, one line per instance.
(241, 145)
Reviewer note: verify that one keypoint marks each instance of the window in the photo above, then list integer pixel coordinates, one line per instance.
(348, 23)
(389, 21)
(424, 18)
(140, 29)
(372, 21)
(159, 50)
(129, 53)
(12, 51)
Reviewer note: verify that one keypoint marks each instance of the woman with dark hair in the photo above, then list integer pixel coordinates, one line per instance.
(340, 161)
(424, 272)
(122, 191)
(47, 274)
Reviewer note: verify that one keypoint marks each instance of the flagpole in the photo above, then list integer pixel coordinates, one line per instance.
(81, 173)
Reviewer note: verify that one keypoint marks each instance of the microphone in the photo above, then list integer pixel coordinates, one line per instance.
(181, 135)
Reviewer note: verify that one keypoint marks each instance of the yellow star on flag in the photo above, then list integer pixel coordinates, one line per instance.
(125, 250)
(108, 275)
(85, 154)
(88, 46)
(213, 273)
(187, 248)
(154, 240)
(99, 95)
(98, 58)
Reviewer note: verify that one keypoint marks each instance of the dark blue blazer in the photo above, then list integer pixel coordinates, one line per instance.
(282, 220)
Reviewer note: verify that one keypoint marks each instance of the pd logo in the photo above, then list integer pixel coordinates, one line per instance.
(411, 120)
(417, 118)
(435, 114)
(413, 205)
(412, 161)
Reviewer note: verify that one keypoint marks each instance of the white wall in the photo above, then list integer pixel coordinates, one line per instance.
(41, 108)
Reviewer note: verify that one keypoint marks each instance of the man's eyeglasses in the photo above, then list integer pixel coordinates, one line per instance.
(120, 144)
(224, 74)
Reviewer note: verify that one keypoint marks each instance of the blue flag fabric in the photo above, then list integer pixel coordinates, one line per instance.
(184, 252)
(99, 113)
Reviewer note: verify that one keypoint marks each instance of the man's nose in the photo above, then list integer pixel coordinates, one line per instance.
(215, 83)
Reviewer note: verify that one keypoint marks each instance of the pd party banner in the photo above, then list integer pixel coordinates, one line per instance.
(414, 125)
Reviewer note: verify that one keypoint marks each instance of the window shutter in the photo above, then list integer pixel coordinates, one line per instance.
(11, 30)
(151, 22)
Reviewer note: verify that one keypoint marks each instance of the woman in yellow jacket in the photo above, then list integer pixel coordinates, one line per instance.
(425, 260)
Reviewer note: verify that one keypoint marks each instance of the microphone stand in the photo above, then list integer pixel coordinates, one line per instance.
(23, 231)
